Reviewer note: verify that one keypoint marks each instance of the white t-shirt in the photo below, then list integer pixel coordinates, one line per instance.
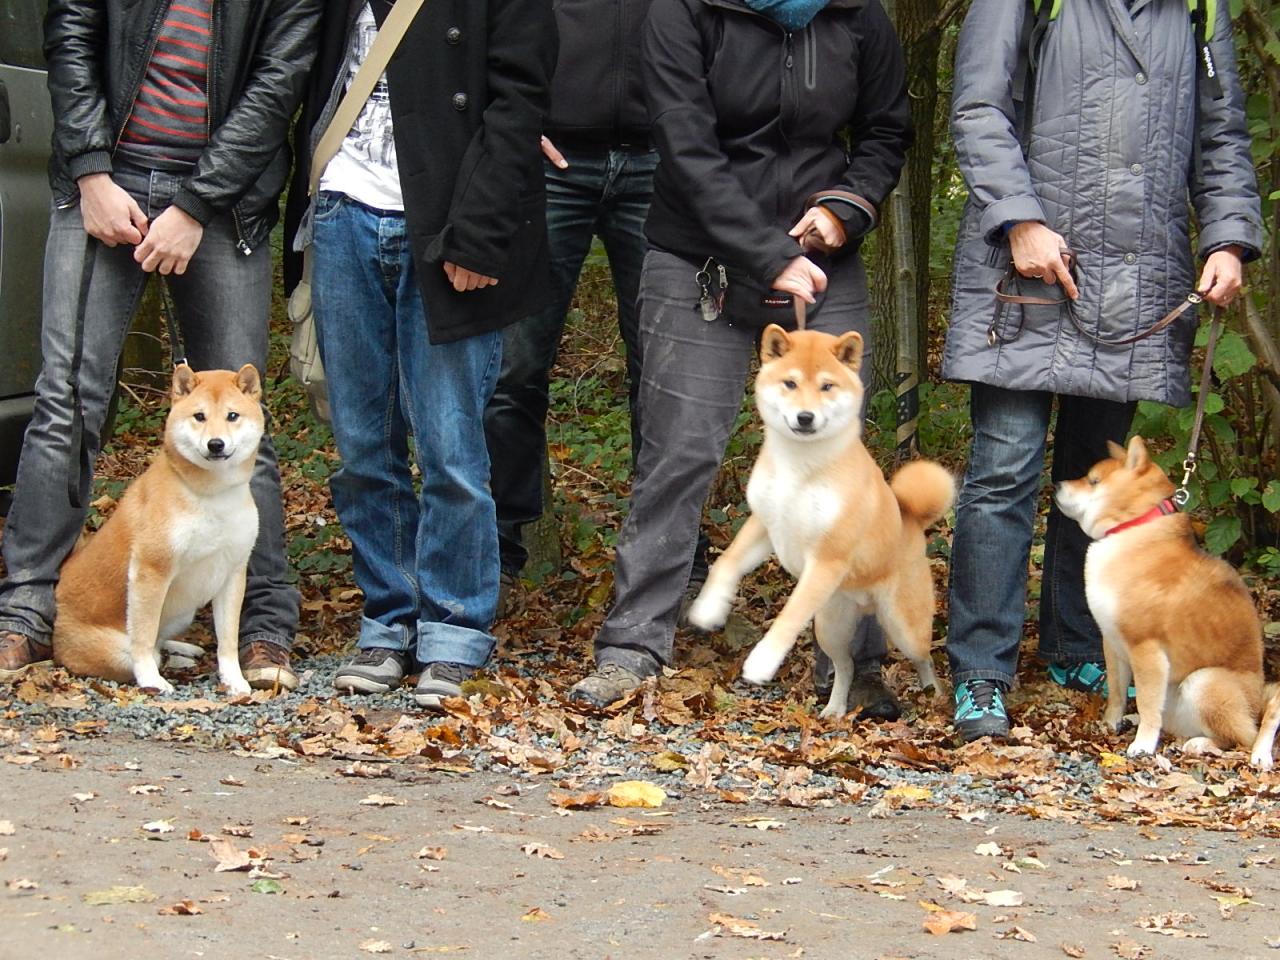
(364, 168)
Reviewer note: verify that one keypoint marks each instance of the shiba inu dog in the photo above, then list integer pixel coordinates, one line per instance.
(1174, 619)
(820, 503)
(179, 539)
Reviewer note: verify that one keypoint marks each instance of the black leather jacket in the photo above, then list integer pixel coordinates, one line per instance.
(98, 52)
(750, 121)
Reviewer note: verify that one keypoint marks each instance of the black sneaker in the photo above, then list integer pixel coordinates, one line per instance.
(980, 710)
(375, 670)
(440, 680)
(609, 684)
(870, 699)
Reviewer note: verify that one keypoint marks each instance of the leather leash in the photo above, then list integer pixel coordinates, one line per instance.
(801, 309)
(1182, 494)
(1004, 298)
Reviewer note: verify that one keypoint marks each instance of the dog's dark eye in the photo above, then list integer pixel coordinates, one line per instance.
(828, 386)
(199, 418)
(233, 416)
(1094, 481)
(789, 384)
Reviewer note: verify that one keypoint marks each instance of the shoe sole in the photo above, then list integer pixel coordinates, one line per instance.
(14, 674)
(268, 678)
(352, 684)
(995, 731)
(433, 701)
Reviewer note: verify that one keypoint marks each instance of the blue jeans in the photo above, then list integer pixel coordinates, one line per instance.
(222, 303)
(428, 562)
(995, 517)
(603, 192)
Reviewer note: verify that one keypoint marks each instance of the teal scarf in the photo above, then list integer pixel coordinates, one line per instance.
(792, 15)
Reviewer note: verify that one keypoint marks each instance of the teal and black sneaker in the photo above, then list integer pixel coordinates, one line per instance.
(980, 710)
(1087, 677)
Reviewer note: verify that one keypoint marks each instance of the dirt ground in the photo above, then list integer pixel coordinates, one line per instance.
(462, 864)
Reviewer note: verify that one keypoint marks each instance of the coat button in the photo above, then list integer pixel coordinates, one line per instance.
(1136, 169)
(1140, 79)
(453, 35)
(1131, 258)
(459, 101)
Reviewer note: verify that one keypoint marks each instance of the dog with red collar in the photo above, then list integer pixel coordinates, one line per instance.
(1175, 620)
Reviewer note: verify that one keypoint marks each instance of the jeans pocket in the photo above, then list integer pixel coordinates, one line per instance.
(328, 203)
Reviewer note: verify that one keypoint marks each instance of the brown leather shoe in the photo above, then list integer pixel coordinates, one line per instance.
(266, 666)
(18, 652)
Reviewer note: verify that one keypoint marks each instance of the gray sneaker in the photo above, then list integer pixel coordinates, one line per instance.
(376, 670)
(439, 680)
(609, 684)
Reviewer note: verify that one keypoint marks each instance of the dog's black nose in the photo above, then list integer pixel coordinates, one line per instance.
(804, 418)
(217, 445)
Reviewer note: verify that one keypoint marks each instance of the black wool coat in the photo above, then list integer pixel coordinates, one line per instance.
(469, 95)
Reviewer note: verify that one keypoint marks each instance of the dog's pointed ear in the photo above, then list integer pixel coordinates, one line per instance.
(249, 382)
(1137, 458)
(184, 381)
(1117, 452)
(774, 343)
(848, 350)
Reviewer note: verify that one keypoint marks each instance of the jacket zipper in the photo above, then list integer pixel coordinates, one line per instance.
(216, 30)
(620, 59)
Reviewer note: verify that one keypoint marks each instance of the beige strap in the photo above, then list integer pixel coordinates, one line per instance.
(362, 84)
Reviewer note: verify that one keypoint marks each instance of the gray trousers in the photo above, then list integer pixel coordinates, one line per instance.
(222, 302)
(692, 381)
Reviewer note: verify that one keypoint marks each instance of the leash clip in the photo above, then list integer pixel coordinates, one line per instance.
(1182, 494)
(1194, 297)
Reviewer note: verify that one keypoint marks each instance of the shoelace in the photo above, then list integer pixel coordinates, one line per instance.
(982, 694)
(373, 657)
(451, 672)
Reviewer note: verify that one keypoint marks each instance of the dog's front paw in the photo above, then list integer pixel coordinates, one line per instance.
(709, 611)
(157, 683)
(1142, 746)
(761, 665)
(831, 711)
(237, 686)
(1261, 759)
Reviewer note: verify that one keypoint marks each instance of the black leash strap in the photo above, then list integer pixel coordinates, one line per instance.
(177, 351)
(80, 462)
(1182, 494)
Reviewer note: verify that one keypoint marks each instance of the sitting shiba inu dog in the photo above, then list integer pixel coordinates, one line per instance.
(1174, 619)
(818, 500)
(179, 539)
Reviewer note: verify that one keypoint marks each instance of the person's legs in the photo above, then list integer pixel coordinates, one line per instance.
(42, 526)
(1069, 637)
(223, 303)
(355, 305)
(692, 384)
(444, 389)
(515, 418)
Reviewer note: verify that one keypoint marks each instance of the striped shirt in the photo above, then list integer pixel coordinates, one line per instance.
(169, 122)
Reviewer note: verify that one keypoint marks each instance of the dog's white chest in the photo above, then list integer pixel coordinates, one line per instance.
(796, 509)
(1099, 584)
(211, 542)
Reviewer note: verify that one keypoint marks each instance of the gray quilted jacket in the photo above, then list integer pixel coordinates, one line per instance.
(1110, 166)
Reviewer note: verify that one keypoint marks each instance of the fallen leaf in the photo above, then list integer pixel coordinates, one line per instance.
(1003, 898)
(1073, 950)
(379, 800)
(1116, 882)
(6, 828)
(22, 884)
(636, 793)
(759, 823)
(495, 803)
(83, 797)
(941, 922)
(1109, 760)
(1017, 933)
(116, 895)
(20, 759)
(542, 851)
(576, 801)
(158, 826)
(266, 885)
(988, 849)
(145, 789)
(231, 782)
(229, 856)
(536, 915)
(183, 908)
(237, 830)
(738, 927)
(908, 793)
(1128, 949)
(376, 946)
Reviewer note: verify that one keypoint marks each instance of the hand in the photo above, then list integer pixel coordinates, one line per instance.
(464, 279)
(555, 156)
(801, 278)
(109, 213)
(819, 230)
(171, 243)
(1222, 276)
(1041, 254)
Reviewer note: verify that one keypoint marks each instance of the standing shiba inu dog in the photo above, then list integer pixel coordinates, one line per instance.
(1177, 621)
(179, 539)
(818, 500)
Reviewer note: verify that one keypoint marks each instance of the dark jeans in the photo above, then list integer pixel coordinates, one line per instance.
(691, 389)
(606, 193)
(995, 517)
(222, 303)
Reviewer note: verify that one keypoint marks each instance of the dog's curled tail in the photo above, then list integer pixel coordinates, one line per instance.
(1264, 743)
(925, 491)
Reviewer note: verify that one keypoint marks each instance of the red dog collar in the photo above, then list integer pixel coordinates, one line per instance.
(1162, 509)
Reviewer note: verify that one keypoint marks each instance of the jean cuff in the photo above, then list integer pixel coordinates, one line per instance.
(1004, 679)
(261, 637)
(639, 662)
(18, 626)
(381, 636)
(868, 666)
(450, 643)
